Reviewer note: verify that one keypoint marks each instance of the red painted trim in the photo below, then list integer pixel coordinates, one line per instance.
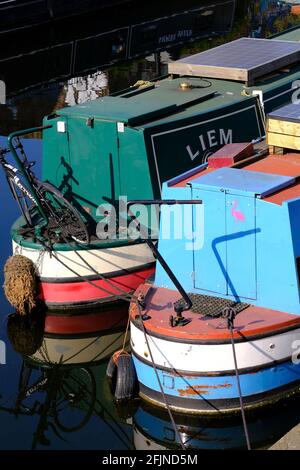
(86, 323)
(76, 292)
(286, 165)
(253, 321)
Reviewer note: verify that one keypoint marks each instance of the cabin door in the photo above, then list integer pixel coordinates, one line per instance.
(94, 162)
(226, 263)
(210, 258)
(241, 246)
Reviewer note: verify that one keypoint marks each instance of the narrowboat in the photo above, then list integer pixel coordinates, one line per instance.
(117, 148)
(16, 14)
(84, 45)
(220, 324)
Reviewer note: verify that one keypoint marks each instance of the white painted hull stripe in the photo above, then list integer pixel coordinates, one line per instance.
(103, 261)
(216, 357)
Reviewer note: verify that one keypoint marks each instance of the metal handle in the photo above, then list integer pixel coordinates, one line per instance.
(20, 165)
(188, 303)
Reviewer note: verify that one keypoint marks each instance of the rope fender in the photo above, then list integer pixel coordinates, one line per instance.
(20, 283)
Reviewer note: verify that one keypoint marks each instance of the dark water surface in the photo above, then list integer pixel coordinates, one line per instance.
(69, 406)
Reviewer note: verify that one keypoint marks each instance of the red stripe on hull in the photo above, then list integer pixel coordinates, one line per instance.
(82, 292)
(87, 323)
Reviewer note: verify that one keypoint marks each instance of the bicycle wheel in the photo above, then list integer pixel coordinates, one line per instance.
(65, 221)
(75, 401)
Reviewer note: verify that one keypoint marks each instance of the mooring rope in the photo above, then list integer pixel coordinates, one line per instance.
(103, 277)
(229, 314)
(174, 425)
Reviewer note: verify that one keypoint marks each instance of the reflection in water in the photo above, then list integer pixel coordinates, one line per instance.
(62, 399)
(61, 383)
(82, 89)
(152, 429)
(25, 332)
(21, 67)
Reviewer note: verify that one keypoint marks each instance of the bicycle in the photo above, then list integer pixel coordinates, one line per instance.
(47, 213)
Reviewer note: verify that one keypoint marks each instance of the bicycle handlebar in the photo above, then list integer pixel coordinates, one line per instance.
(3, 151)
(20, 164)
(20, 134)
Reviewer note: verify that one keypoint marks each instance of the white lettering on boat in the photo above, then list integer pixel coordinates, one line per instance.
(18, 183)
(182, 33)
(210, 139)
(296, 352)
(2, 92)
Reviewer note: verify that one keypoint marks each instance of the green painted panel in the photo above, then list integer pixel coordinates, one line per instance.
(135, 182)
(94, 162)
(177, 149)
(56, 157)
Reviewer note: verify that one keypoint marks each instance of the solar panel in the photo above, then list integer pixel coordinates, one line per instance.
(243, 60)
(290, 112)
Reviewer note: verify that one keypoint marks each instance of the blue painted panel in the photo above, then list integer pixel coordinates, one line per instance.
(237, 181)
(220, 387)
(209, 262)
(277, 280)
(240, 242)
(294, 211)
(176, 239)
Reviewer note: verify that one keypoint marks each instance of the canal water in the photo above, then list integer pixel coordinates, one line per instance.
(53, 391)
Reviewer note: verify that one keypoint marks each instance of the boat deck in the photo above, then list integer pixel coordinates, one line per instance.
(250, 323)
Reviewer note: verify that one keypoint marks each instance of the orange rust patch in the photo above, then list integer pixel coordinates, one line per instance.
(200, 389)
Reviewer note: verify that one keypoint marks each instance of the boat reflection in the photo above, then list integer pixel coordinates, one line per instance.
(152, 429)
(62, 380)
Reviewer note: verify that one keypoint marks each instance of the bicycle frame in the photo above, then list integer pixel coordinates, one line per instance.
(20, 166)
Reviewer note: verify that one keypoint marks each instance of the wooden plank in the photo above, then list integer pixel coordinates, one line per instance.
(272, 65)
(283, 127)
(284, 141)
(227, 73)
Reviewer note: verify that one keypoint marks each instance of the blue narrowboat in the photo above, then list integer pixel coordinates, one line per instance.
(227, 277)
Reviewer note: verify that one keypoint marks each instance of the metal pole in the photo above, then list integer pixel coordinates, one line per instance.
(188, 303)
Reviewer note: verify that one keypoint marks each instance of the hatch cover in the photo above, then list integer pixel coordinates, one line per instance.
(239, 181)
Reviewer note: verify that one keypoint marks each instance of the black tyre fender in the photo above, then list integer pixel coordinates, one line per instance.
(121, 372)
(111, 368)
